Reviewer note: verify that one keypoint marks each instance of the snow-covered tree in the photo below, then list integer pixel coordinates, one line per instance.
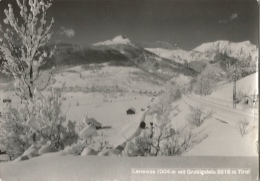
(153, 142)
(207, 80)
(162, 129)
(38, 122)
(162, 138)
(39, 125)
(234, 72)
(24, 36)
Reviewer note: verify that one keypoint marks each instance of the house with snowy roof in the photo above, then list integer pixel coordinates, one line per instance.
(131, 111)
(94, 122)
(7, 100)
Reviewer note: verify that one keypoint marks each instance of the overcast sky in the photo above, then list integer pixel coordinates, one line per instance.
(187, 23)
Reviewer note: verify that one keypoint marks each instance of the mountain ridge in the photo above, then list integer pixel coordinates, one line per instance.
(207, 51)
(121, 51)
(240, 50)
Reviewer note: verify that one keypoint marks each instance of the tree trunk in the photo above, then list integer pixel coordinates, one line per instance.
(31, 81)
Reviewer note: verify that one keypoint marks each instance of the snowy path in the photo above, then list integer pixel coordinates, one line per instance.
(227, 114)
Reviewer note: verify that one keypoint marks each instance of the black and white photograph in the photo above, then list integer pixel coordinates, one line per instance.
(129, 90)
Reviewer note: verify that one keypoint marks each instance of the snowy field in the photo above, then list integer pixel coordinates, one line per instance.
(222, 136)
(110, 110)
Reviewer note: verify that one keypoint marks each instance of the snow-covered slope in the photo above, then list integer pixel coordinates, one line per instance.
(182, 56)
(248, 85)
(241, 50)
(177, 55)
(223, 135)
(124, 78)
(224, 138)
(118, 40)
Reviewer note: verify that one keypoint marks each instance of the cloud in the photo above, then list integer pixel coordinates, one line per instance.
(231, 18)
(67, 32)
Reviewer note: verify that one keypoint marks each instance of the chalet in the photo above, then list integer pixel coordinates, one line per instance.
(94, 122)
(130, 111)
(2, 152)
(7, 100)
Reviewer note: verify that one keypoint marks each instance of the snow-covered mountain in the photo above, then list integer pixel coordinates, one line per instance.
(135, 54)
(240, 51)
(118, 40)
(207, 52)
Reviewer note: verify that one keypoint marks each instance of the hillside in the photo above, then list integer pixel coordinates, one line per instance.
(158, 58)
(247, 85)
(182, 56)
(144, 59)
(120, 51)
(106, 77)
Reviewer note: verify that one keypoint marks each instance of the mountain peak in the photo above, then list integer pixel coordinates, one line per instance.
(118, 40)
(247, 42)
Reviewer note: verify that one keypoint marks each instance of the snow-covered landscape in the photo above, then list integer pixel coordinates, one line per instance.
(70, 111)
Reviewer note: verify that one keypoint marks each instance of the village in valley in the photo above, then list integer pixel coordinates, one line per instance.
(118, 98)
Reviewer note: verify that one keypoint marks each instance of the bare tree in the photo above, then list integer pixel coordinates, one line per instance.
(197, 116)
(162, 130)
(22, 45)
(242, 127)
